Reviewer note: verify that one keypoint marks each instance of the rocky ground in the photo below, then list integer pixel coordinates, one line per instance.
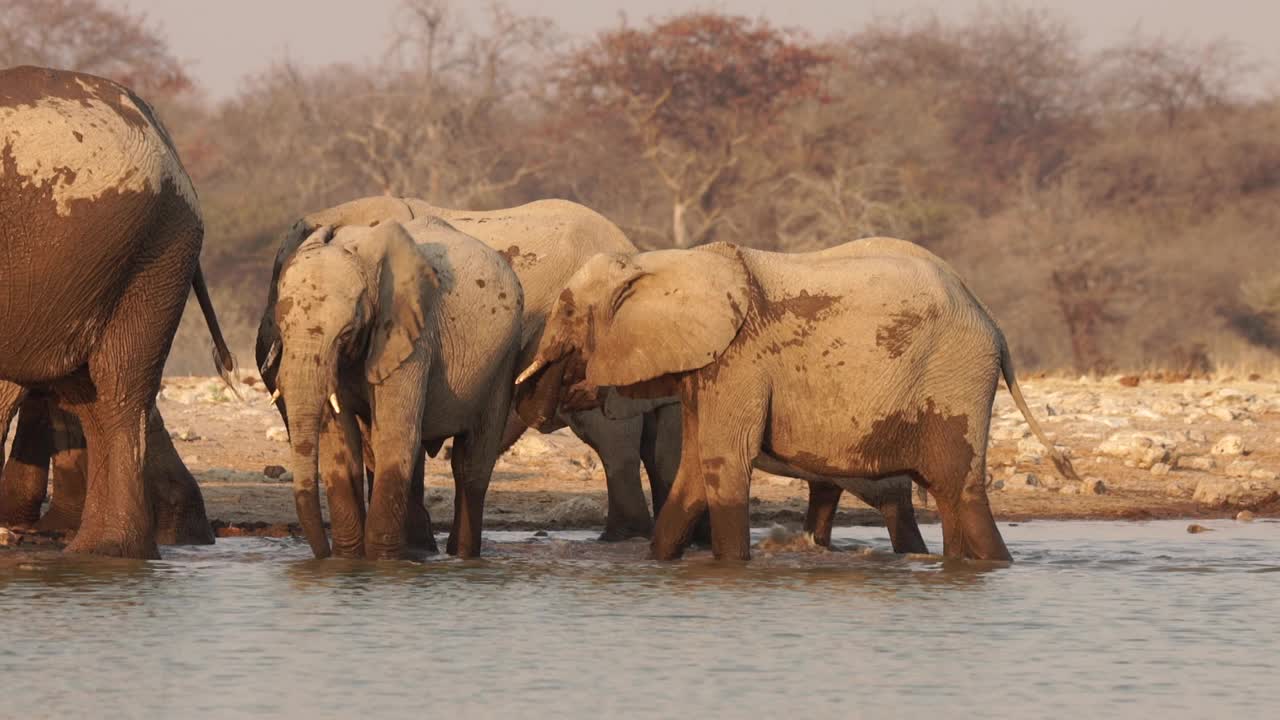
(1145, 448)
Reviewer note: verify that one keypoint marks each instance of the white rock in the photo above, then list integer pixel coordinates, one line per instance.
(1160, 469)
(1030, 450)
(1181, 488)
(184, 434)
(1224, 414)
(9, 538)
(1193, 462)
(1217, 491)
(277, 433)
(1264, 474)
(1020, 482)
(1229, 445)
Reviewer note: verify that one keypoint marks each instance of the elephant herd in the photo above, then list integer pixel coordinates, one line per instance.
(392, 326)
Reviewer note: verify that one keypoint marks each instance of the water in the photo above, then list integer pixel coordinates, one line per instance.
(1094, 619)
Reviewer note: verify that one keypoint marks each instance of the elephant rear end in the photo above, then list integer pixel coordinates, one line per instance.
(91, 190)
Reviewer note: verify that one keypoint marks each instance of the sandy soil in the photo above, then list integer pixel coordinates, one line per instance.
(1196, 448)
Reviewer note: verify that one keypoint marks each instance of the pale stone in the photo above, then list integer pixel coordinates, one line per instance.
(277, 433)
(1240, 468)
(1193, 462)
(1160, 469)
(1229, 445)
(1093, 486)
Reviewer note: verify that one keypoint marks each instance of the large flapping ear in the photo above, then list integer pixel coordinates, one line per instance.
(676, 311)
(401, 280)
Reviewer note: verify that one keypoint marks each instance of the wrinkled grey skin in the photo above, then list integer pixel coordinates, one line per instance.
(49, 439)
(397, 336)
(545, 242)
(868, 360)
(102, 230)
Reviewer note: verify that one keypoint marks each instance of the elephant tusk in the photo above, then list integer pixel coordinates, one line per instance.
(530, 371)
(274, 397)
(333, 400)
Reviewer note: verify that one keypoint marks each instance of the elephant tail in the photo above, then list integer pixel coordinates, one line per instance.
(222, 357)
(1060, 461)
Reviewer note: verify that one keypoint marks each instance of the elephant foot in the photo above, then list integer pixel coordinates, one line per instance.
(136, 548)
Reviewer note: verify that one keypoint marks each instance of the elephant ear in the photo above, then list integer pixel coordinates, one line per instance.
(676, 311)
(402, 280)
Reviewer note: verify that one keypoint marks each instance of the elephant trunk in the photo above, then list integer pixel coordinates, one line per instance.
(307, 391)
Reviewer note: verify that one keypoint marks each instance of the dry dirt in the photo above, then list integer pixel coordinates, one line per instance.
(1145, 450)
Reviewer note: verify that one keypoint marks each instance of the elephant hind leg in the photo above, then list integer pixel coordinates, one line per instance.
(968, 527)
(824, 498)
(618, 443)
(419, 534)
(180, 513)
(473, 460)
(25, 479)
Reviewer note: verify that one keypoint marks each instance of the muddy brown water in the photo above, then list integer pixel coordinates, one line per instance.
(1094, 619)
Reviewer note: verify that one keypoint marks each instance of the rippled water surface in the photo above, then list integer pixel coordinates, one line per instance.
(1094, 619)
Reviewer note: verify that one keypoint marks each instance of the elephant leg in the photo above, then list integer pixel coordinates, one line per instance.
(119, 516)
(180, 513)
(686, 504)
(824, 498)
(342, 472)
(419, 534)
(968, 527)
(70, 472)
(900, 516)
(617, 442)
(660, 451)
(25, 479)
(123, 378)
(474, 455)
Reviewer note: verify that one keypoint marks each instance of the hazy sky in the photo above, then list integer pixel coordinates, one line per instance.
(228, 39)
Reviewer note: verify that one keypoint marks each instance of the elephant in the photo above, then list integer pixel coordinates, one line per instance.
(409, 334)
(101, 229)
(48, 437)
(868, 360)
(546, 242)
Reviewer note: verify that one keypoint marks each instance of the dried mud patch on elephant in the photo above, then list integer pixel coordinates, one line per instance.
(895, 337)
(516, 259)
(932, 443)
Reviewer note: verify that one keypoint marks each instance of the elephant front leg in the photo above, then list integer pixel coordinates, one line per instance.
(70, 473)
(25, 479)
(342, 471)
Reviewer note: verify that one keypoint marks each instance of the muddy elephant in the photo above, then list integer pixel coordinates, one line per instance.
(412, 331)
(544, 242)
(101, 230)
(48, 438)
(868, 360)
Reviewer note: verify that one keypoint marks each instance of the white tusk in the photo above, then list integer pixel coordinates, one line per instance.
(333, 400)
(274, 397)
(531, 371)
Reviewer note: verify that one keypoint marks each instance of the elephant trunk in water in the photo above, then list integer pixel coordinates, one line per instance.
(306, 386)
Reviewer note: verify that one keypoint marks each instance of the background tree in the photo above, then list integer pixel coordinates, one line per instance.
(690, 95)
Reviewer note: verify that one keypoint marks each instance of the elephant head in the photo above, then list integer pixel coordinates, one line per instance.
(637, 323)
(351, 309)
(365, 212)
